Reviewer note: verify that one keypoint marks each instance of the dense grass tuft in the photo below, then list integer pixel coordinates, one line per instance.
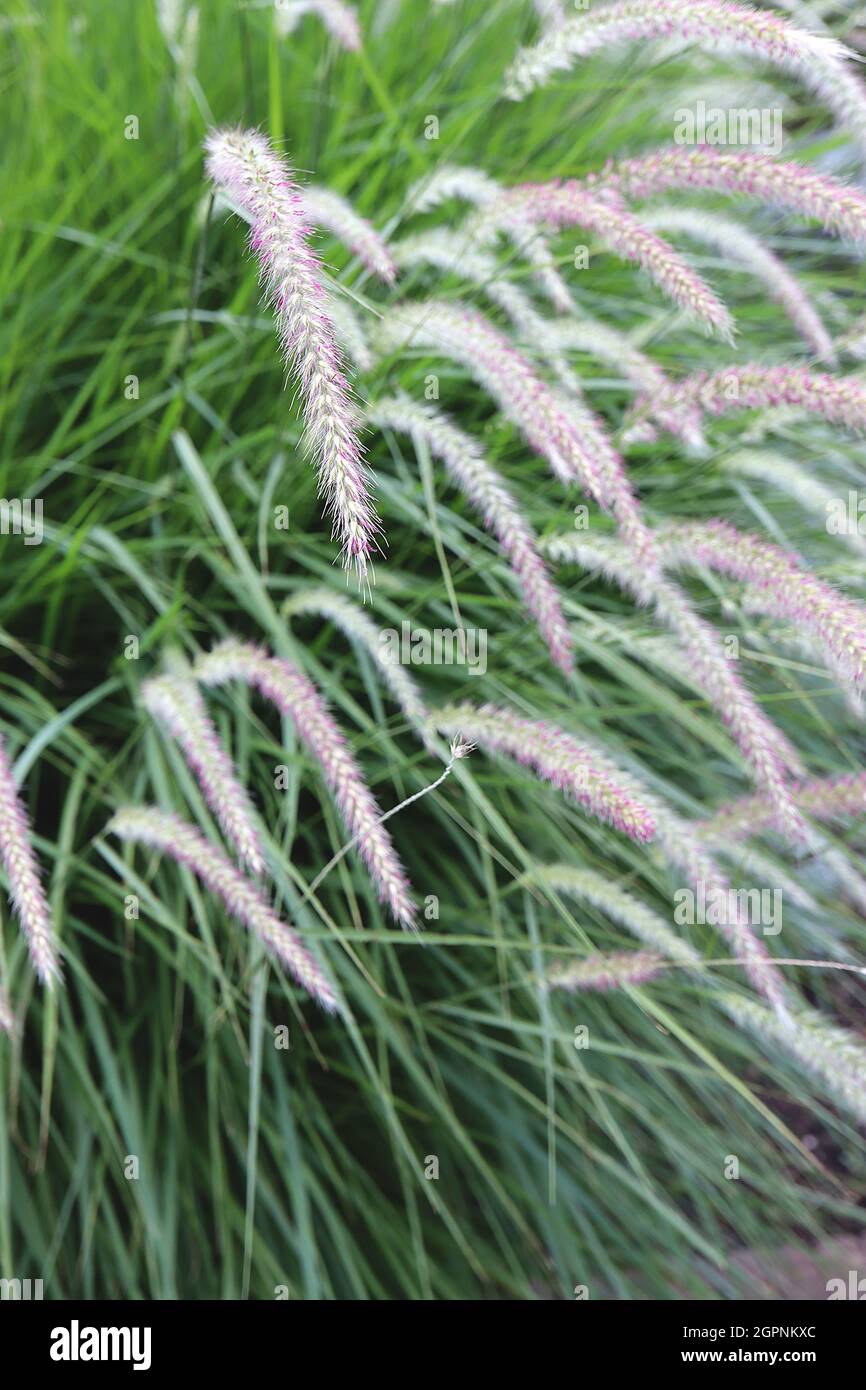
(449, 1136)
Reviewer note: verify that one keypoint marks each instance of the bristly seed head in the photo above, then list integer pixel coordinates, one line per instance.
(295, 695)
(22, 872)
(243, 164)
(170, 834)
(176, 704)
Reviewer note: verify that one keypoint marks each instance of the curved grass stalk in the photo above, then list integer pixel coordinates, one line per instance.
(474, 186)
(840, 208)
(243, 164)
(620, 906)
(755, 865)
(838, 400)
(467, 337)
(171, 835)
(682, 849)
(546, 749)
(335, 214)
(606, 970)
(617, 350)
(454, 252)
(552, 425)
(834, 1055)
(175, 703)
(816, 60)
(578, 769)
(768, 754)
(562, 430)
(458, 750)
(788, 590)
(820, 1047)
(572, 203)
(823, 798)
(740, 246)
(351, 619)
(296, 697)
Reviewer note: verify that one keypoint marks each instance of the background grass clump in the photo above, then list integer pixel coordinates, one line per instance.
(142, 398)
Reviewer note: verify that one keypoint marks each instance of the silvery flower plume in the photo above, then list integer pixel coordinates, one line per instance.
(583, 770)
(759, 867)
(617, 496)
(834, 1055)
(838, 1057)
(578, 769)
(559, 426)
(452, 181)
(621, 907)
(822, 799)
(660, 650)
(816, 60)
(834, 623)
(850, 883)
(606, 970)
(485, 489)
(795, 482)
(807, 643)
(243, 164)
(828, 799)
(768, 754)
(467, 337)
(776, 183)
(589, 776)
(617, 350)
(296, 697)
(474, 186)
(175, 703)
(683, 851)
(454, 252)
(574, 204)
(653, 930)
(170, 834)
(838, 400)
(23, 878)
(340, 19)
(523, 398)
(643, 922)
(334, 213)
(359, 627)
(742, 247)
(682, 848)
